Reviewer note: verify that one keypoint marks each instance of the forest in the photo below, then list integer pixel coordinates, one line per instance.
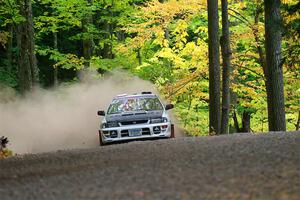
(228, 66)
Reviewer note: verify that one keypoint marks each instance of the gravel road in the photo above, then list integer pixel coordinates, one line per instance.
(238, 166)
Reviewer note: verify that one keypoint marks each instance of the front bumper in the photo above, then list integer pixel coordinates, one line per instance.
(122, 133)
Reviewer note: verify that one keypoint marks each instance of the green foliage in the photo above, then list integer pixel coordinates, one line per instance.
(165, 43)
(8, 78)
(9, 13)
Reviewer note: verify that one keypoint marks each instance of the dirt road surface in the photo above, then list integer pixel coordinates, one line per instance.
(238, 166)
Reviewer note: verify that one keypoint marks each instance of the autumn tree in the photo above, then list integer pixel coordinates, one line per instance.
(214, 66)
(273, 31)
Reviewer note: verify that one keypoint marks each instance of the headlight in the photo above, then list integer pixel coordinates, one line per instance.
(158, 120)
(110, 124)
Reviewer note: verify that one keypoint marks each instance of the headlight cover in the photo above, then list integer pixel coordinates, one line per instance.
(110, 124)
(158, 120)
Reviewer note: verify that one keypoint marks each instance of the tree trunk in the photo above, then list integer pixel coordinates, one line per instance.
(121, 36)
(262, 60)
(139, 56)
(32, 57)
(167, 33)
(87, 41)
(246, 122)
(55, 69)
(107, 49)
(214, 67)
(226, 56)
(28, 72)
(235, 121)
(9, 48)
(273, 26)
(298, 122)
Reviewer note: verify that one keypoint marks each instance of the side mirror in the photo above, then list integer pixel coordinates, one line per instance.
(101, 113)
(169, 106)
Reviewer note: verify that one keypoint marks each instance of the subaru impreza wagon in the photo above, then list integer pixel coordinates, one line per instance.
(138, 116)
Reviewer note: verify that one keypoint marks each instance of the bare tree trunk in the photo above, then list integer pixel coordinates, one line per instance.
(9, 48)
(23, 63)
(214, 67)
(262, 60)
(273, 26)
(139, 56)
(236, 123)
(246, 122)
(87, 41)
(167, 33)
(55, 69)
(32, 57)
(28, 73)
(121, 36)
(108, 47)
(226, 56)
(298, 122)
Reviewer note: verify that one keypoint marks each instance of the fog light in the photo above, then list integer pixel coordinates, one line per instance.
(164, 126)
(106, 134)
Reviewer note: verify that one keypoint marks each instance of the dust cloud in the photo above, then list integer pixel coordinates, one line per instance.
(65, 117)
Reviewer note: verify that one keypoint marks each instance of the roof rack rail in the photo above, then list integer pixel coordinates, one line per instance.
(121, 95)
(146, 92)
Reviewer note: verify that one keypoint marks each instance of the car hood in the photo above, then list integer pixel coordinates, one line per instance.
(129, 116)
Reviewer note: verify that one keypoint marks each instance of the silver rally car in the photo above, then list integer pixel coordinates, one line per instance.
(138, 116)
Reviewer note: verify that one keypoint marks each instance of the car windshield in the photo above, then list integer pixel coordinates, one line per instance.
(134, 104)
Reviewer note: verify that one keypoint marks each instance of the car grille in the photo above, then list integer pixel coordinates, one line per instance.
(124, 133)
(124, 123)
(145, 131)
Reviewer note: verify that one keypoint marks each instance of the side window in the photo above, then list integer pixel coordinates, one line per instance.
(156, 105)
(116, 106)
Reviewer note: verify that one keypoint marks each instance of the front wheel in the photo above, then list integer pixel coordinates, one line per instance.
(100, 139)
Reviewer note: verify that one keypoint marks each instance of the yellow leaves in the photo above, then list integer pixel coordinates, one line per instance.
(154, 18)
(188, 83)
(168, 53)
(161, 81)
(160, 39)
(181, 33)
(3, 38)
(5, 153)
(142, 66)
(71, 61)
(293, 17)
(202, 29)
(290, 2)
(165, 12)
(241, 5)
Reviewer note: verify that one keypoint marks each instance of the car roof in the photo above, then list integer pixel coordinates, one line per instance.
(125, 96)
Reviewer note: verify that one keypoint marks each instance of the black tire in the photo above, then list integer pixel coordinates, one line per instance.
(100, 139)
(172, 131)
